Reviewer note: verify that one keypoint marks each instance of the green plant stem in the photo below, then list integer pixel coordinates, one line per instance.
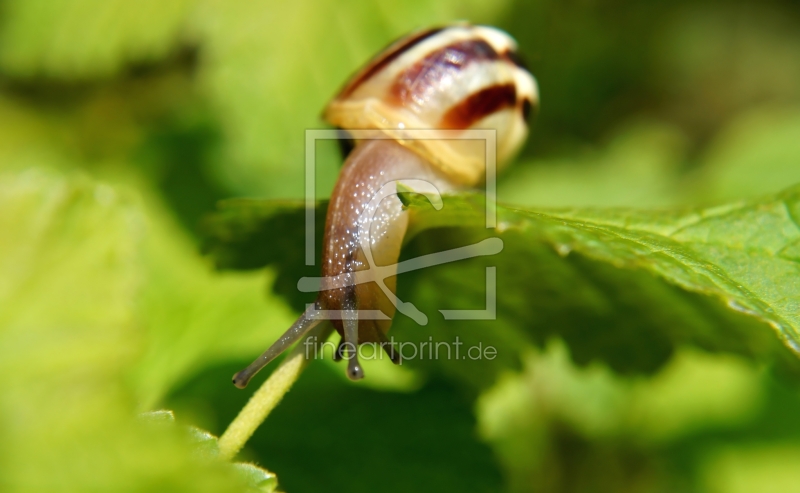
(267, 397)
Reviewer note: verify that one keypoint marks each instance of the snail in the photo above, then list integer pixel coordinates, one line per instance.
(454, 78)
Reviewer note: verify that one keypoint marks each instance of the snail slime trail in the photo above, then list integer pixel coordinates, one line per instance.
(454, 78)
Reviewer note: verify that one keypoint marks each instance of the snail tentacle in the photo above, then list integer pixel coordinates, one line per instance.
(307, 321)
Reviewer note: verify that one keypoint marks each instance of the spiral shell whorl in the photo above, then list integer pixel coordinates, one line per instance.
(454, 78)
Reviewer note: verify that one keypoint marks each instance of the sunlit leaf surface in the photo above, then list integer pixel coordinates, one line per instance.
(620, 285)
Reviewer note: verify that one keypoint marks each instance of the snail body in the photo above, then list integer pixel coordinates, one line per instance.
(454, 78)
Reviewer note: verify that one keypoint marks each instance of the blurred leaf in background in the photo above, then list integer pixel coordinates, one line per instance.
(122, 124)
(87, 39)
(71, 268)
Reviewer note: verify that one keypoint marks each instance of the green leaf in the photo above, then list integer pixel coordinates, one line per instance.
(620, 285)
(70, 269)
(195, 317)
(260, 479)
(206, 446)
(757, 153)
(76, 39)
(189, 315)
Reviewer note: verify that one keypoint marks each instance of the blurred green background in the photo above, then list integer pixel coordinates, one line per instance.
(123, 123)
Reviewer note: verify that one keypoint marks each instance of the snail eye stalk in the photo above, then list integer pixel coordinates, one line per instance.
(301, 327)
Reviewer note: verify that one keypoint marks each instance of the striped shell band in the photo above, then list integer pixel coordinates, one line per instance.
(458, 77)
